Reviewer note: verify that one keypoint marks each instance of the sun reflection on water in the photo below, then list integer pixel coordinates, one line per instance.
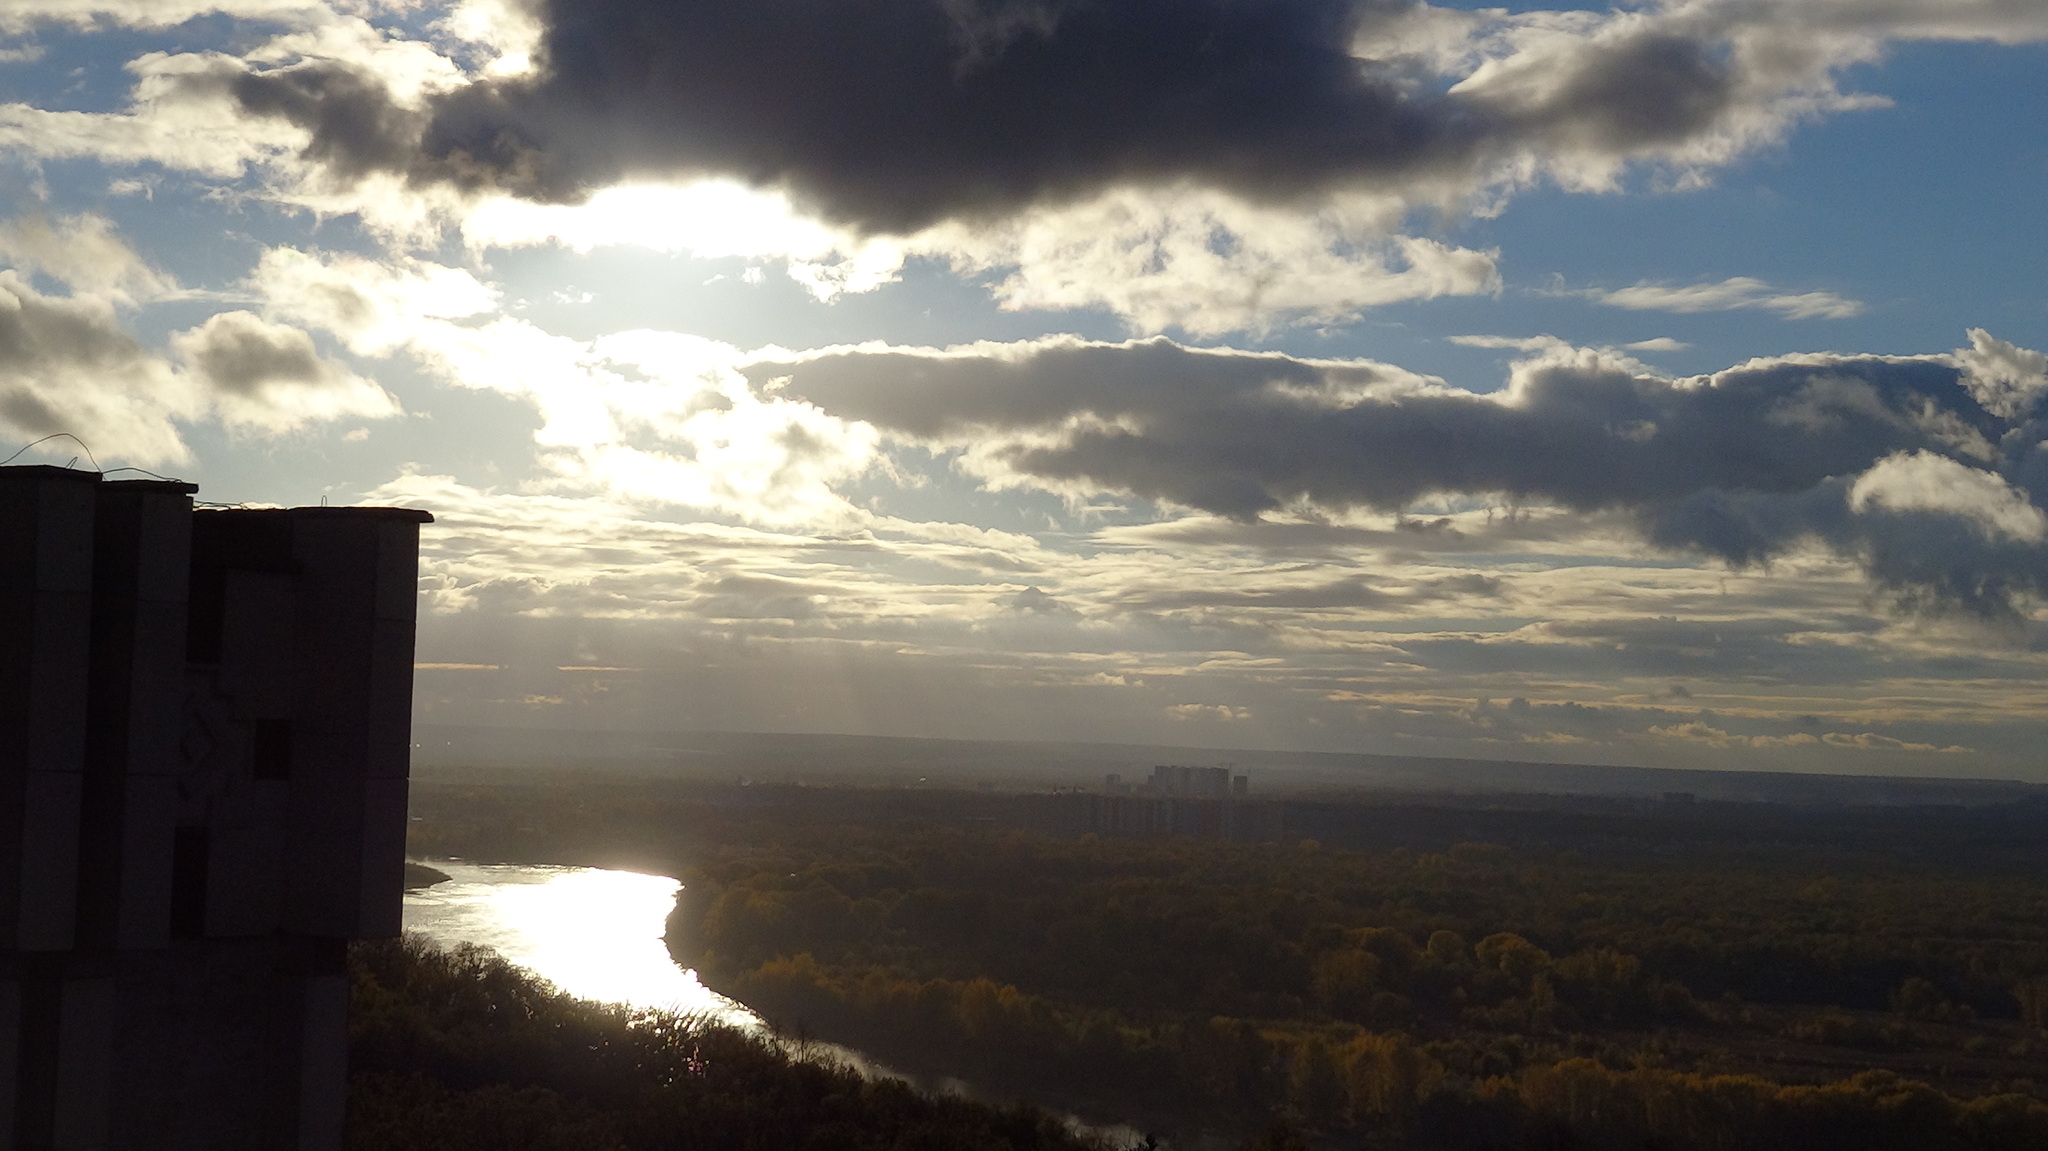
(593, 933)
(596, 934)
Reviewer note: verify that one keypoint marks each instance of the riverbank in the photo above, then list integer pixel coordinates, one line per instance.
(597, 933)
(419, 876)
(463, 1051)
(1117, 1116)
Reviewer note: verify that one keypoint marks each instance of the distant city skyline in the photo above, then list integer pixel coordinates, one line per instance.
(1655, 384)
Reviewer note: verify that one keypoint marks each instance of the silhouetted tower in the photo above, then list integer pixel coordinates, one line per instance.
(205, 732)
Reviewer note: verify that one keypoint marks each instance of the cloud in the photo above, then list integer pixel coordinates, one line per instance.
(1871, 741)
(653, 416)
(21, 15)
(84, 253)
(931, 629)
(181, 114)
(1746, 464)
(1205, 166)
(897, 116)
(2006, 379)
(323, 116)
(893, 117)
(270, 377)
(374, 307)
(1201, 261)
(1211, 712)
(67, 366)
(1740, 292)
(1208, 263)
(1322, 594)
(1510, 343)
(1925, 482)
(1711, 736)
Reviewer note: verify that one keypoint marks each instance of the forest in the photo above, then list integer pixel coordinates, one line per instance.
(459, 1051)
(1609, 976)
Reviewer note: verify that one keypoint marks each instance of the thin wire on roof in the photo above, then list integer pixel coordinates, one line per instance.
(57, 436)
(87, 449)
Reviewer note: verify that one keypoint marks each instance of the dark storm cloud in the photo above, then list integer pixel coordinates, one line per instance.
(1743, 465)
(894, 114)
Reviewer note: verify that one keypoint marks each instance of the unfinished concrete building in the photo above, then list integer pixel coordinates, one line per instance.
(205, 732)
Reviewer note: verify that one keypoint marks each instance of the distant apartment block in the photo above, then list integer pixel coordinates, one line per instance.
(1208, 782)
(1207, 802)
(205, 733)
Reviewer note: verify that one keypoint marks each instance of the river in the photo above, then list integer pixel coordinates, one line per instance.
(593, 933)
(597, 934)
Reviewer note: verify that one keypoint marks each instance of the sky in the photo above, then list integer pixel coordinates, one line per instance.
(1652, 384)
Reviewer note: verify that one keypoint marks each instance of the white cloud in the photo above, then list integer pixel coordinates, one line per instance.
(269, 376)
(771, 460)
(20, 15)
(1924, 482)
(374, 307)
(1739, 292)
(507, 31)
(1511, 343)
(1871, 741)
(169, 121)
(85, 253)
(1210, 712)
(655, 416)
(1711, 736)
(2007, 379)
(67, 366)
(1209, 263)
(1200, 261)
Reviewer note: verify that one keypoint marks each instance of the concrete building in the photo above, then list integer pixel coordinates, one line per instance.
(205, 732)
(1204, 802)
(1206, 782)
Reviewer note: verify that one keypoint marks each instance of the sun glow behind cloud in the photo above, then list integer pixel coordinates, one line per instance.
(709, 219)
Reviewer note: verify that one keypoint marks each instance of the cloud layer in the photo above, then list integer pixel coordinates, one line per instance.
(1207, 165)
(1891, 460)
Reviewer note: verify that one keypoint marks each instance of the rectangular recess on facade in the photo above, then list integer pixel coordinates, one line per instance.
(191, 855)
(272, 751)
